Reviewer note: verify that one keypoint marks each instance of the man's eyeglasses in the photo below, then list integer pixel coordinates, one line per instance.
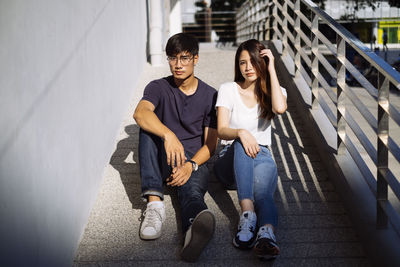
(183, 59)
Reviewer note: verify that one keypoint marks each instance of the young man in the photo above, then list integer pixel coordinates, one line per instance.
(177, 136)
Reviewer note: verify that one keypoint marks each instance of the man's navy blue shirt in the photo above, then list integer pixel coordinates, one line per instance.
(184, 115)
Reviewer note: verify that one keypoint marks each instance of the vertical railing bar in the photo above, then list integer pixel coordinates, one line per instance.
(254, 19)
(285, 28)
(297, 38)
(262, 22)
(237, 29)
(268, 22)
(314, 61)
(250, 25)
(382, 151)
(259, 34)
(250, 21)
(275, 21)
(340, 84)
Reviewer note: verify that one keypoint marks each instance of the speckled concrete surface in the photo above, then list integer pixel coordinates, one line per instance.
(314, 229)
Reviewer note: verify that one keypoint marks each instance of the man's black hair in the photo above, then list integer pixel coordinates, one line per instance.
(182, 42)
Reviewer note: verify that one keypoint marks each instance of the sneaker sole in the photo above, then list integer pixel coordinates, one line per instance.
(202, 231)
(244, 247)
(150, 237)
(266, 252)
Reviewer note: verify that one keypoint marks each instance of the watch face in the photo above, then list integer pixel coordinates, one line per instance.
(194, 166)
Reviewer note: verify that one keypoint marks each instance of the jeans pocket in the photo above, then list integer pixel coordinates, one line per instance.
(265, 150)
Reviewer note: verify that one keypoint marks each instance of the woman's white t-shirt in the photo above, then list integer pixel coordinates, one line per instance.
(243, 117)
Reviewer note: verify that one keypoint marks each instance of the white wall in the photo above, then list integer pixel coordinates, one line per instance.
(175, 18)
(67, 71)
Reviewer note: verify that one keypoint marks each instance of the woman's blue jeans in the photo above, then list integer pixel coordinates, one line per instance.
(255, 179)
(154, 170)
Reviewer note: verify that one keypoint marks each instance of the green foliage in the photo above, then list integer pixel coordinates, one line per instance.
(201, 4)
(320, 3)
(361, 4)
(394, 3)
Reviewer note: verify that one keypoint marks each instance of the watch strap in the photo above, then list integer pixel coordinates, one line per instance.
(195, 166)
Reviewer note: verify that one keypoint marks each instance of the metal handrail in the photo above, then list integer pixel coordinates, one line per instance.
(210, 26)
(349, 38)
(270, 20)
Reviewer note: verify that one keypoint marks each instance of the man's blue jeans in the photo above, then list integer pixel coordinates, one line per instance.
(255, 179)
(154, 170)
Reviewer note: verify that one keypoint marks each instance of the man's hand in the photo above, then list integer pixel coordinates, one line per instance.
(180, 175)
(249, 143)
(174, 150)
(148, 121)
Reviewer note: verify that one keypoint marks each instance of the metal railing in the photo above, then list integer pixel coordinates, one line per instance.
(211, 26)
(339, 88)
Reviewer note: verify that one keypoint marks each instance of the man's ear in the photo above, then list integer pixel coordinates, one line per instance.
(196, 59)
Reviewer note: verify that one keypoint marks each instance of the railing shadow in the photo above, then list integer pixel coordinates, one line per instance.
(301, 176)
(305, 194)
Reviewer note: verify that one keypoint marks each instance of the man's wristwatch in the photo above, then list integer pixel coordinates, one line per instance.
(195, 166)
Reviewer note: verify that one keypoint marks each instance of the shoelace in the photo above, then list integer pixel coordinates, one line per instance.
(245, 225)
(266, 232)
(150, 215)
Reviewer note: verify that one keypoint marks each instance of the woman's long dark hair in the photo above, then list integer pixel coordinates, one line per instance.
(262, 88)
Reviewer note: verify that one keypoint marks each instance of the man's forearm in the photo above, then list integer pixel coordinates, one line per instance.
(208, 149)
(202, 155)
(148, 121)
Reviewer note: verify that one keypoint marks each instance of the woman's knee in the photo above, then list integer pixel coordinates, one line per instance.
(240, 156)
(238, 147)
(265, 180)
(266, 171)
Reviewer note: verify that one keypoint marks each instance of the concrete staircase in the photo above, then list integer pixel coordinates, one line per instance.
(314, 229)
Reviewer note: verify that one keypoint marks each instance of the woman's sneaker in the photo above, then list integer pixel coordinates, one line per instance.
(154, 216)
(266, 247)
(245, 236)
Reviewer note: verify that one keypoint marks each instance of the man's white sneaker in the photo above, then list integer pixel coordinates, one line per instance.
(198, 235)
(154, 216)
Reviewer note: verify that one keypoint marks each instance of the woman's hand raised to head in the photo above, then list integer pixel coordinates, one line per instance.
(249, 143)
(268, 53)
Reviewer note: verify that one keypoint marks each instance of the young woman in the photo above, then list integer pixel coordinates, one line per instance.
(245, 108)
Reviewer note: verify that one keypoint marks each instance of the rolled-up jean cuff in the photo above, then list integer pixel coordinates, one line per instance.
(240, 198)
(151, 193)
